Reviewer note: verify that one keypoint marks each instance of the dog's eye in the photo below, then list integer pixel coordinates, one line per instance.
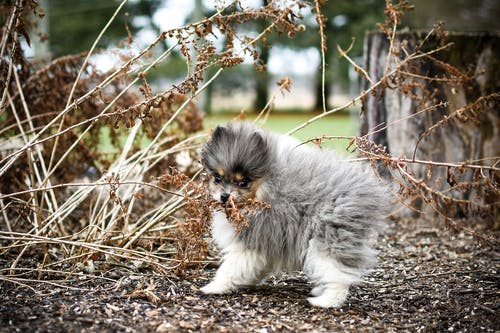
(243, 183)
(217, 179)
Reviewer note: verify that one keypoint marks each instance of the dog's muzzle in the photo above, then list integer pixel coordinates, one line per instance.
(224, 196)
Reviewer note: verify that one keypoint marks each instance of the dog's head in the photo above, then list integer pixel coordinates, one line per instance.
(236, 158)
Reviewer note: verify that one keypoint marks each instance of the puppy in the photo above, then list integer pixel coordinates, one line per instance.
(322, 218)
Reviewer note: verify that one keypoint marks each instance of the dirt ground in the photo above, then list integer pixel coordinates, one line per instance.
(427, 281)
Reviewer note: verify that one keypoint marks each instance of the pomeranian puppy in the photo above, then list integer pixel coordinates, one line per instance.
(323, 215)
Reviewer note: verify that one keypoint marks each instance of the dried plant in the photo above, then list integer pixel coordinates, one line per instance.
(464, 194)
(64, 201)
(62, 198)
(239, 213)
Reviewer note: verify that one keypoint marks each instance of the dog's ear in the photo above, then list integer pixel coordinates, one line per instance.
(218, 133)
(210, 152)
(258, 142)
(260, 156)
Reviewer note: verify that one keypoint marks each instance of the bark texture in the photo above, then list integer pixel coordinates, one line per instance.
(470, 84)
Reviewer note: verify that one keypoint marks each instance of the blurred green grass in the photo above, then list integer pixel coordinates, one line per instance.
(343, 124)
(337, 124)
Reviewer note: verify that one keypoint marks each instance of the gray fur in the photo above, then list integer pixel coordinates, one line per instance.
(237, 149)
(313, 195)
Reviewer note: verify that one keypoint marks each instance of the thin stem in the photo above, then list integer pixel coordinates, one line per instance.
(80, 72)
(323, 47)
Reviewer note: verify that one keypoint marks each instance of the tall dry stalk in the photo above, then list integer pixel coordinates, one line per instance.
(62, 199)
(65, 201)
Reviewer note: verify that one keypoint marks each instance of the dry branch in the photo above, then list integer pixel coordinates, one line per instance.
(65, 201)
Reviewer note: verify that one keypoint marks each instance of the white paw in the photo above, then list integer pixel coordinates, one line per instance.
(330, 298)
(216, 288)
(323, 301)
(316, 291)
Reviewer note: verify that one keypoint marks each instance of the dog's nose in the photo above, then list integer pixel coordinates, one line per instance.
(224, 196)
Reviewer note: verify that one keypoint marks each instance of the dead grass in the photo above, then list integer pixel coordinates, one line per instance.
(68, 208)
(427, 281)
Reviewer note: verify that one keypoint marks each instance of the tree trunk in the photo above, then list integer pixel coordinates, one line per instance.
(262, 78)
(473, 80)
(40, 46)
(262, 82)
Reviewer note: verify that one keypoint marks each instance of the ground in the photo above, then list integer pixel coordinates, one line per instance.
(428, 281)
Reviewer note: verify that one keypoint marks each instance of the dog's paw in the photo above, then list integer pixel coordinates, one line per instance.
(330, 298)
(325, 302)
(216, 288)
(316, 291)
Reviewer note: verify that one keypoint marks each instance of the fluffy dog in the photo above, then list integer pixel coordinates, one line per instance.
(322, 218)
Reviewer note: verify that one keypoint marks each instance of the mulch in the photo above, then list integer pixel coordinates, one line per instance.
(428, 280)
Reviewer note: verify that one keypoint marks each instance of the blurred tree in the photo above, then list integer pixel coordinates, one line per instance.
(346, 19)
(74, 25)
(262, 76)
(458, 15)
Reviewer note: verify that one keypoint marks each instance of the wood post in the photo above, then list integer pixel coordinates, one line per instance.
(443, 107)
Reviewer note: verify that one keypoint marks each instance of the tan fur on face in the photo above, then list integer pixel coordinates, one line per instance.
(254, 187)
(237, 193)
